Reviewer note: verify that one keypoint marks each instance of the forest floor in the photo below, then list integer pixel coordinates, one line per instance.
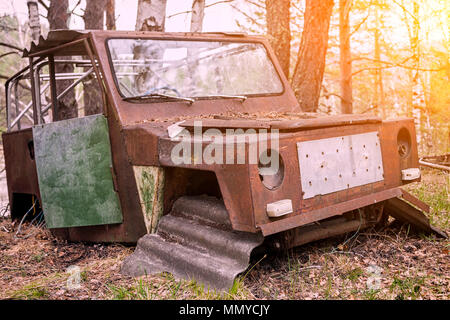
(388, 264)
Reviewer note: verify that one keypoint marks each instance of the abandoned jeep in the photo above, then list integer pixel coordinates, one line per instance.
(194, 147)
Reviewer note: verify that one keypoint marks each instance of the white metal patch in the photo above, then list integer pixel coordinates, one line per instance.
(339, 163)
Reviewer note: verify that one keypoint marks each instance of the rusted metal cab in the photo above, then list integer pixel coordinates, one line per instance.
(200, 126)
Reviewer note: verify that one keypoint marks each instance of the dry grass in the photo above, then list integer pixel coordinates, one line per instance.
(392, 264)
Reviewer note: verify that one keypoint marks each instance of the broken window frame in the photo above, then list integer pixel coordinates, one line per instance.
(46, 58)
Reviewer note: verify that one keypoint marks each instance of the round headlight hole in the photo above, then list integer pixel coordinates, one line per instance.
(403, 143)
(271, 169)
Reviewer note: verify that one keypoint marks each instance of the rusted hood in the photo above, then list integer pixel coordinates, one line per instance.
(282, 121)
(143, 139)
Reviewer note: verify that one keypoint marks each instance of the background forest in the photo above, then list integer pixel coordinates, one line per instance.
(389, 58)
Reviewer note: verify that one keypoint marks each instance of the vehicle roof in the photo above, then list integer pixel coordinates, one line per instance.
(59, 37)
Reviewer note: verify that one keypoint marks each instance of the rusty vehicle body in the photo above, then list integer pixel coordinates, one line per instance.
(220, 208)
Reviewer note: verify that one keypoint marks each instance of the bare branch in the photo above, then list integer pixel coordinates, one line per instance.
(406, 11)
(256, 4)
(381, 61)
(296, 7)
(395, 66)
(8, 53)
(2, 76)
(206, 6)
(78, 15)
(359, 25)
(259, 24)
(42, 3)
(179, 13)
(218, 2)
(10, 46)
(7, 28)
(76, 5)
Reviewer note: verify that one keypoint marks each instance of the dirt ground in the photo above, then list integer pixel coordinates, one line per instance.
(389, 264)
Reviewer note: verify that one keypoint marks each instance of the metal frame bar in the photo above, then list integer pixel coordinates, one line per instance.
(97, 72)
(27, 107)
(37, 86)
(16, 101)
(33, 89)
(24, 73)
(62, 94)
(54, 95)
(35, 67)
(26, 114)
(16, 77)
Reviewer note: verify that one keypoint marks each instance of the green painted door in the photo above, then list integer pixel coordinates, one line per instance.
(73, 160)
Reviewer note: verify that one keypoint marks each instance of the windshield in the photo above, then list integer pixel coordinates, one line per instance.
(192, 69)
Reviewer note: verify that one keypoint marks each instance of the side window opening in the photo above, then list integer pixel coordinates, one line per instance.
(77, 89)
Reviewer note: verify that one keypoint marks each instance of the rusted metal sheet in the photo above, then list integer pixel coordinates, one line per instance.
(54, 39)
(291, 188)
(220, 124)
(141, 142)
(320, 214)
(302, 124)
(321, 230)
(406, 213)
(73, 161)
(325, 121)
(21, 174)
(339, 163)
(194, 242)
(352, 221)
(389, 147)
(133, 225)
(413, 200)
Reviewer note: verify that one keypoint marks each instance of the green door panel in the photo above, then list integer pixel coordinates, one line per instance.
(73, 161)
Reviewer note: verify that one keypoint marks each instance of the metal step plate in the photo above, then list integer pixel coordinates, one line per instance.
(339, 163)
(194, 241)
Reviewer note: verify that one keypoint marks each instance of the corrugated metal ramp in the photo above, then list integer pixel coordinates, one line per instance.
(194, 241)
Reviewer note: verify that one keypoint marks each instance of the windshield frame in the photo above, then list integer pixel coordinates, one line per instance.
(194, 39)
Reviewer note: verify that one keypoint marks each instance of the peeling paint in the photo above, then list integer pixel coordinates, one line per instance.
(150, 183)
(73, 161)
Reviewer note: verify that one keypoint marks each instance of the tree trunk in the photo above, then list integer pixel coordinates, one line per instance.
(93, 20)
(198, 12)
(58, 18)
(345, 57)
(57, 14)
(111, 15)
(308, 72)
(379, 92)
(417, 101)
(151, 15)
(94, 14)
(33, 17)
(279, 31)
